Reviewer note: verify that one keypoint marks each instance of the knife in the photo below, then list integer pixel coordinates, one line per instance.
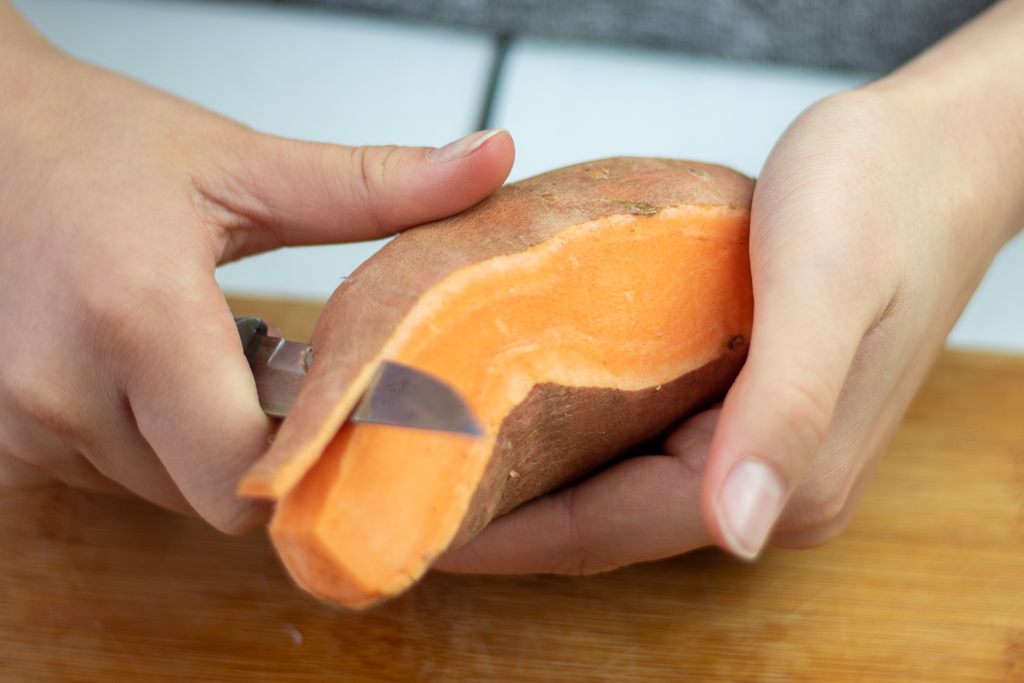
(398, 395)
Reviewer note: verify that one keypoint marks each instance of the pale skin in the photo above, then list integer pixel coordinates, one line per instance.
(121, 367)
(874, 218)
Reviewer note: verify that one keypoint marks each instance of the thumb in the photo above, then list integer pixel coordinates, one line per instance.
(806, 333)
(289, 192)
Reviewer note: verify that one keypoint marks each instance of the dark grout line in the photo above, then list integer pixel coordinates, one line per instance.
(501, 45)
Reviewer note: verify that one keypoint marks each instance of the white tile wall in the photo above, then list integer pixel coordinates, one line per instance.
(571, 103)
(346, 78)
(299, 72)
(994, 318)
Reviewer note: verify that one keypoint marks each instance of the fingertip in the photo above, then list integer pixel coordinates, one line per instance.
(468, 170)
(778, 411)
(742, 493)
(772, 424)
(246, 515)
(464, 146)
(414, 186)
(747, 506)
(194, 401)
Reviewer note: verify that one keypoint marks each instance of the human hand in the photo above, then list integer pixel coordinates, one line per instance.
(122, 368)
(872, 223)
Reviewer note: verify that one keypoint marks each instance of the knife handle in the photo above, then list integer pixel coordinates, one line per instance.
(251, 330)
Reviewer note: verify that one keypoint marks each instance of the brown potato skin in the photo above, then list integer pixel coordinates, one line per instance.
(560, 435)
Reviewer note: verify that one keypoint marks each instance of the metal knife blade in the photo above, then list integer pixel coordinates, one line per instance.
(398, 395)
(407, 397)
(279, 367)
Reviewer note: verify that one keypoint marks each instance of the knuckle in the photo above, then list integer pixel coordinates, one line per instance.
(376, 165)
(827, 506)
(571, 559)
(830, 530)
(367, 178)
(689, 445)
(364, 177)
(584, 553)
(119, 310)
(804, 404)
(41, 403)
(819, 504)
(813, 536)
(126, 319)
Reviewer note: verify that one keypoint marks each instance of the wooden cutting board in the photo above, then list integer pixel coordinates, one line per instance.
(927, 584)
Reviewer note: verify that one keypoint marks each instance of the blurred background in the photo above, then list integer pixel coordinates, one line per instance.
(337, 76)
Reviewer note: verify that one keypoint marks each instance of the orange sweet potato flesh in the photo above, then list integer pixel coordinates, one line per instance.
(579, 312)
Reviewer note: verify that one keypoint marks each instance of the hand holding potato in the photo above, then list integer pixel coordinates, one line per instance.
(873, 221)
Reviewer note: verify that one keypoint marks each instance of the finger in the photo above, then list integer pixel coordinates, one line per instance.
(32, 456)
(195, 402)
(882, 381)
(808, 323)
(817, 534)
(296, 192)
(644, 508)
(122, 455)
(69, 420)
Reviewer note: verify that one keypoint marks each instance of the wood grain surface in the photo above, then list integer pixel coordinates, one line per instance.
(926, 584)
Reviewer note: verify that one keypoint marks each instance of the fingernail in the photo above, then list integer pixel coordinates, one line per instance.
(463, 146)
(748, 506)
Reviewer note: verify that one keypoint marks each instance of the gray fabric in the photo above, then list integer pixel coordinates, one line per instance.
(866, 35)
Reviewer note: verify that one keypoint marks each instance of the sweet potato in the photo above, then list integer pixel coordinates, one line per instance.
(579, 312)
